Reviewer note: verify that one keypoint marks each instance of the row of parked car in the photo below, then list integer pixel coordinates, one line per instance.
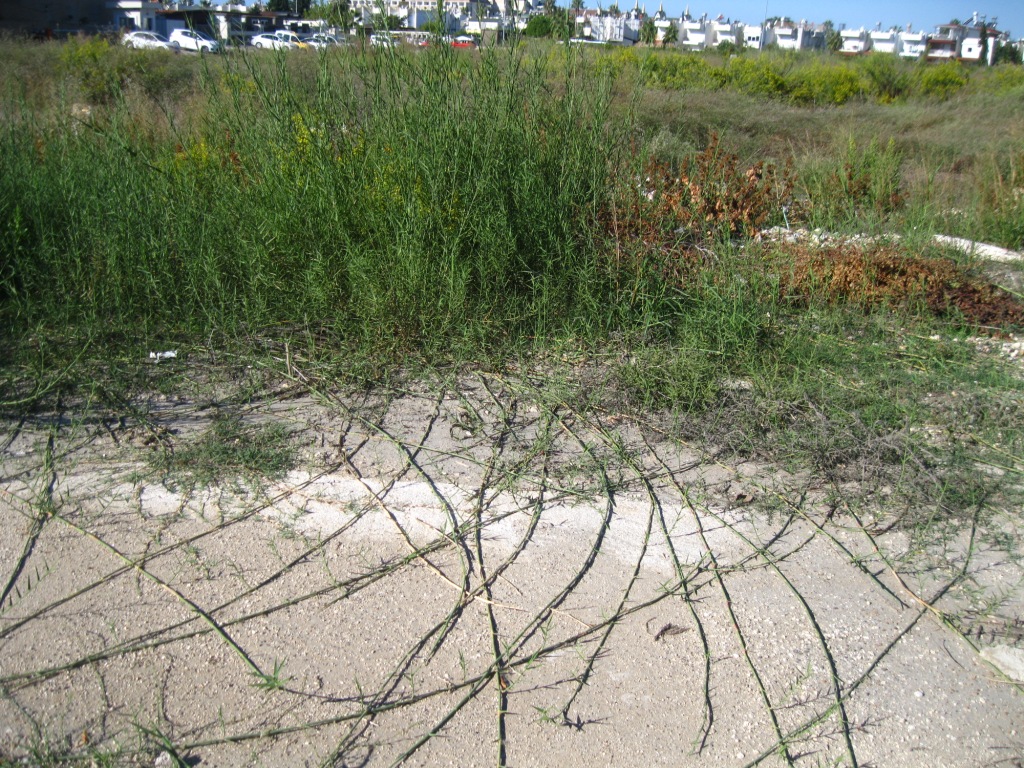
(180, 40)
(190, 40)
(282, 39)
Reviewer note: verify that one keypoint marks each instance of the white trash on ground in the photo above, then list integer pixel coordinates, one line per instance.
(819, 238)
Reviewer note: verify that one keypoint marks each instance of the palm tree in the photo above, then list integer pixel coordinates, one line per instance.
(671, 36)
(337, 13)
(648, 32)
(576, 5)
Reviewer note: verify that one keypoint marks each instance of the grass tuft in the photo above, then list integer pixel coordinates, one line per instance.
(230, 449)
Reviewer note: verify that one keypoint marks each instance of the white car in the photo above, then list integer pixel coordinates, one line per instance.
(189, 40)
(322, 41)
(140, 39)
(382, 41)
(279, 40)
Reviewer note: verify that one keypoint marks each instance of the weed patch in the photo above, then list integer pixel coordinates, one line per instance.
(229, 450)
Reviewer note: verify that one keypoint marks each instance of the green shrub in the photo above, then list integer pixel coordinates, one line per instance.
(999, 214)
(760, 76)
(1004, 77)
(456, 202)
(943, 80)
(94, 64)
(727, 48)
(682, 71)
(823, 84)
(886, 77)
(103, 70)
(1007, 54)
(539, 26)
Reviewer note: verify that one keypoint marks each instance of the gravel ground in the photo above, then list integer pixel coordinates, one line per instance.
(481, 575)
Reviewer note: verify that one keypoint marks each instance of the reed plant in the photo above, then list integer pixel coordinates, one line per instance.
(402, 197)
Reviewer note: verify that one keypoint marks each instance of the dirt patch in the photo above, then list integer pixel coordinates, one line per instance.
(479, 573)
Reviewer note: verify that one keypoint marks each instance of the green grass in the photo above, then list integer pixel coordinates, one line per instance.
(406, 200)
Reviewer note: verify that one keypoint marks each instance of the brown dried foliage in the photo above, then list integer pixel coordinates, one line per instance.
(671, 216)
(885, 275)
(713, 195)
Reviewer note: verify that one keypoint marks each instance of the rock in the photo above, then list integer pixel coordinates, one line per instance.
(1009, 660)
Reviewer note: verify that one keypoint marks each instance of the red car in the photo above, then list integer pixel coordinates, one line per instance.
(463, 41)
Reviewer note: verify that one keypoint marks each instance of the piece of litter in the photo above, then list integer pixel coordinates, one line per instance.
(158, 356)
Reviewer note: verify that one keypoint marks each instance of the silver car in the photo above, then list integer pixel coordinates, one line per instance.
(322, 41)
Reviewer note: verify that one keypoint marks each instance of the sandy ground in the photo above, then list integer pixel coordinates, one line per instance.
(482, 575)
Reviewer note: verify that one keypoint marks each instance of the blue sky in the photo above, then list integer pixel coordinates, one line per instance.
(924, 14)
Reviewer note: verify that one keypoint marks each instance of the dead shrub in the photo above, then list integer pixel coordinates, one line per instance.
(670, 217)
(713, 196)
(885, 275)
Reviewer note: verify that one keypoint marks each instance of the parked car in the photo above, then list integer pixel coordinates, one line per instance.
(140, 39)
(382, 41)
(280, 39)
(189, 40)
(322, 41)
(463, 41)
(432, 40)
(272, 41)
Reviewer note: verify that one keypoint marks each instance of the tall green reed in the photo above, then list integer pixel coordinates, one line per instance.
(404, 197)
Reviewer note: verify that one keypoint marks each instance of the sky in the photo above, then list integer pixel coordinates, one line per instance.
(923, 14)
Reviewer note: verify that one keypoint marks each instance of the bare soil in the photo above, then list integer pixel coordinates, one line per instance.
(480, 573)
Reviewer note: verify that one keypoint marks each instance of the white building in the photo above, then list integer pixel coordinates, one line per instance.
(980, 40)
(366, 10)
(228, 21)
(757, 37)
(944, 45)
(585, 23)
(885, 41)
(788, 36)
(855, 41)
(695, 34)
(724, 32)
(661, 23)
(912, 44)
(135, 14)
(612, 29)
